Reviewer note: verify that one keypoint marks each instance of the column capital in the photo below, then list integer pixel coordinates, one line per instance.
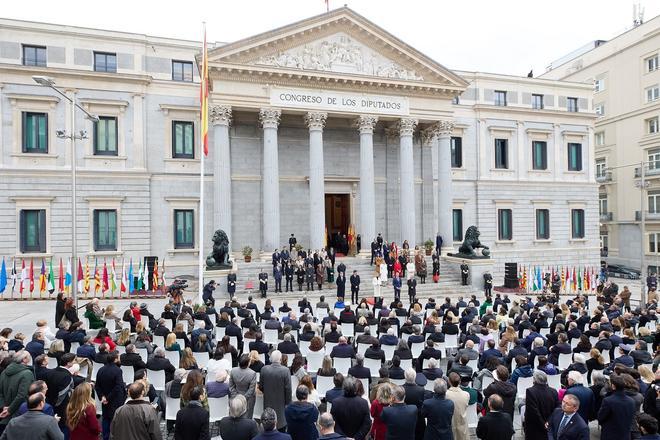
(220, 114)
(270, 117)
(406, 126)
(445, 127)
(430, 135)
(366, 123)
(316, 120)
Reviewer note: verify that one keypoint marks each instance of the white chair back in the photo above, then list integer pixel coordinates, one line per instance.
(523, 384)
(314, 360)
(171, 408)
(451, 341)
(486, 381)
(361, 348)
(168, 324)
(160, 341)
(348, 330)
(128, 373)
(474, 364)
(157, 379)
(406, 363)
(565, 360)
(554, 381)
(258, 405)
(220, 332)
(304, 347)
(173, 357)
(202, 359)
(218, 408)
(398, 381)
(606, 356)
(52, 362)
(373, 365)
(74, 347)
(389, 351)
(342, 365)
(144, 354)
(111, 325)
(96, 367)
(181, 342)
(323, 384)
(145, 320)
(416, 349)
(270, 336)
(472, 416)
(184, 323)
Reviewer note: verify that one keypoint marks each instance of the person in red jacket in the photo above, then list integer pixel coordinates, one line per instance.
(81, 414)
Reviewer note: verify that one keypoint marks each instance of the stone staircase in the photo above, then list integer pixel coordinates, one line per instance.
(449, 284)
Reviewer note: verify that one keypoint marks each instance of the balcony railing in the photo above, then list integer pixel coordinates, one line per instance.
(606, 216)
(604, 177)
(648, 216)
(648, 171)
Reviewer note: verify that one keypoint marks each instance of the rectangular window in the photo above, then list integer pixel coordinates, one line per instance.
(537, 102)
(502, 153)
(599, 85)
(542, 224)
(572, 104)
(184, 229)
(652, 93)
(457, 217)
(34, 55)
(654, 160)
(504, 224)
(654, 202)
(105, 230)
(574, 156)
(604, 243)
(577, 223)
(599, 138)
(539, 155)
(652, 125)
(183, 140)
(105, 62)
(654, 243)
(652, 63)
(456, 152)
(105, 136)
(602, 204)
(601, 168)
(599, 109)
(33, 230)
(500, 98)
(35, 132)
(182, 71)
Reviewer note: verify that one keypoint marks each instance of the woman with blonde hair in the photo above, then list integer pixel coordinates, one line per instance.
(81, 414)
(509, 336)
(124, 337)
(326, 367)
(595, 362)
(646, 374)
(171, 344)
(381, 400)
(187, 361)
(56, 349)
(255, 361)
(110, 314)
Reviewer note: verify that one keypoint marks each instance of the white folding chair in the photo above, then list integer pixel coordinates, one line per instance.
(74, 347)
(304, 347)
(365, 385)
(96, 367)
(171, 408)
(361, 348)
(202, 359)
(565, 360)
(218, 408)
(574, 342)
(554, 381)
(544, 331)
(523, 384)
(373, 365)
(111, 325)
(406, 363)
(342, 365)
(270, 336)
(52, 362)
(606, 356)
(144, 354)
(184, 323)
(329, 346)
(145, 320)
(160, 341)
(120, 349)
(348, 330)
(451, 341)
(168, 324)
(389, 351)
(173, 357)
(474, 364)
(258, 406)
(181, 342)
(323, 384)
(486, 381)
(398, 381)
(472, 416)
(157, 379)
(314, 360)
(416, 349)
(128, 373)
(200, 323)
(220, 332)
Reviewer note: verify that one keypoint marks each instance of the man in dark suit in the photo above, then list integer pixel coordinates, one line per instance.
(412, 289)
(160, 329)
(192, 421)
(438, 412)
(259, 346)
(347, 316)
(496, 424)
(292, 242)
(132, 359)
(399, 418)
(374, 248)
(359, 371)
(565, 423)
(111, 390)
(287, 346)
(263, 284)
(233, 329)
(540, 401)
(415, 395)
(616, 412)
(87, 349)
(355, 287)
(160, 363)
(342, 349)
(438, 244)
(430, 352)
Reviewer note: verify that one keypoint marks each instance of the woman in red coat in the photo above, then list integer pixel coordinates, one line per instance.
(382, 400)
(81, 414)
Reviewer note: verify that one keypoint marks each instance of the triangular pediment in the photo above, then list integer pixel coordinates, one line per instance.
(340, 43)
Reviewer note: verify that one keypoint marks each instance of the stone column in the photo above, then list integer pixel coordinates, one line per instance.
(407, 181)
(220, 116)
(316, 121)
(270, 119)
(367, 229)
(430, 184)
(445, 193)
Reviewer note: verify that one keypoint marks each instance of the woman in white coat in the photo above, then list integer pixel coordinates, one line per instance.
(378, 297)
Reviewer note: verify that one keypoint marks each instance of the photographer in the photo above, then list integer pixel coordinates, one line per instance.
(207, 294)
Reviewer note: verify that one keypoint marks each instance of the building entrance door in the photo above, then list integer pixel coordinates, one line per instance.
(337, 220)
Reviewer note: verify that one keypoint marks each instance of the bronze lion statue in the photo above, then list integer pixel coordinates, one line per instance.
(471, 242)
(219, 257)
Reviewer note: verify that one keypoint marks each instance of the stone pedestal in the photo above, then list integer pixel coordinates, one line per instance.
(478, 268)
(220, 277)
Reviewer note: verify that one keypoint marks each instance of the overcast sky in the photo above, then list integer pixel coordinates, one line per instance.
(502, 36)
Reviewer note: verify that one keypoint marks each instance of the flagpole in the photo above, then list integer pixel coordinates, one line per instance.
(200, 227)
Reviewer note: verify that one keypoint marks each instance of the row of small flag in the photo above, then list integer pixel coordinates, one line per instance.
(102, 280)
(531, 278)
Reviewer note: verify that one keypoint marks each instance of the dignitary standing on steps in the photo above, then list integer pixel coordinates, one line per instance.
(277, 275)
(288, 273)
(465, 271)
(309, 277)
(231, 284)
(436, 268)
(292, 242)
(300, 277)
(355, 287)
(412, 289)
(263, 283)
(341, 285)
(396, 283)
(319, 275)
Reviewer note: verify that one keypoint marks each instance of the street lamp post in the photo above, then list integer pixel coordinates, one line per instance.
(72, 136)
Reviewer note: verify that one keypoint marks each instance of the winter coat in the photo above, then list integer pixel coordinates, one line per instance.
(14, 383)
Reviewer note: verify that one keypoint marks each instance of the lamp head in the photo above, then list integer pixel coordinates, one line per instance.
(44, 80)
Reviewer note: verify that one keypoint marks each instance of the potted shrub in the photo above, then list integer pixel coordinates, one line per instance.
(428, 245)
(247, 254)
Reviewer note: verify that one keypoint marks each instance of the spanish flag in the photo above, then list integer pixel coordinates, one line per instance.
(204, 97)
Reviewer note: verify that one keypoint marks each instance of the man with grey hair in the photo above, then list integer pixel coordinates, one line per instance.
(235, 426)
(160, 363)
(301, 416)
(540, 402)
(327, 428)
(342, 349)
(565, 424)
(275, 383)
(438, 412)
(415, 395)
(399, 417)
(287, 346)
(132, 359)
(269, 424)
(585, 395)
(359, 371)
(15, 382)
(366, 338)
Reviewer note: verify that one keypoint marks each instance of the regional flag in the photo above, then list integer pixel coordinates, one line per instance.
(97, 276)
(42, 277)
(24, 276)
(579, 279)
(131, 287)
(31, 275)
(3, 277)
(106, 284)
(124, 282)
(13, 277)
(68, 279)
(139, 278)
(162, 275)
(204, 97)
(51, 276)
(86, 280)
(81, 280)
(154, 283)
(113, 280)
(62, 276)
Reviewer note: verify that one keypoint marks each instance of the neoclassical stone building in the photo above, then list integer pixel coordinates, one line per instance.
(318, 125)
